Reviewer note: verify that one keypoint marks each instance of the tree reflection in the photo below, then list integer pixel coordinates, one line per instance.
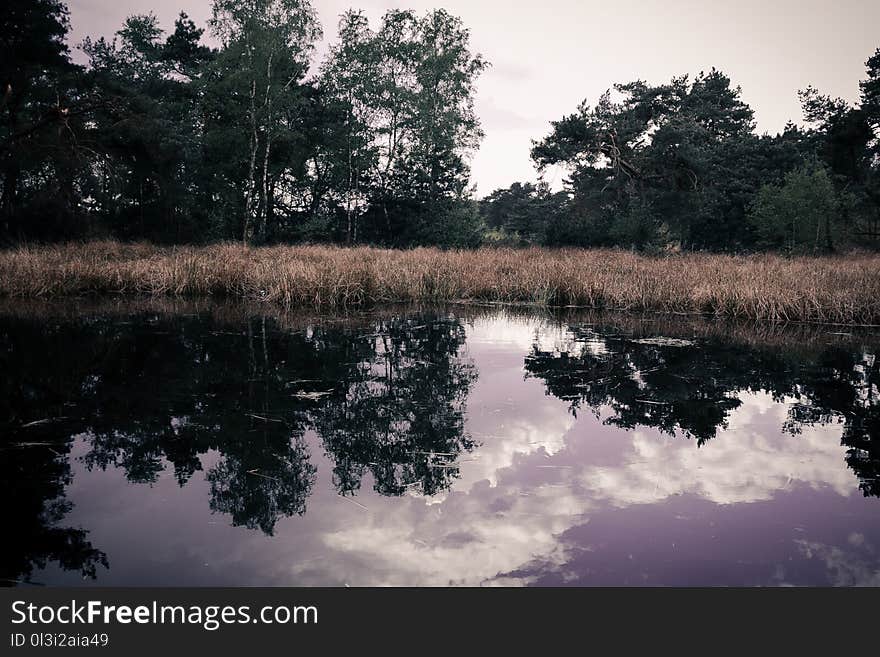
(153, 395)
(168, 396)
(32, 485)
(691, 386)
(35, 469)
(400, 414)
(232, 399)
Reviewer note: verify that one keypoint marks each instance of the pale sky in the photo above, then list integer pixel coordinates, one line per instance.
(549, 55)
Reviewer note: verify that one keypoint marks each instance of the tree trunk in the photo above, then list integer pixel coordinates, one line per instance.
(250, 190)
(264, 217)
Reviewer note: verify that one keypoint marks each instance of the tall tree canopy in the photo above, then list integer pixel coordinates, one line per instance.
(36, 78)
(406, 94)
(679, 165)
(674, 163)
(162, 137)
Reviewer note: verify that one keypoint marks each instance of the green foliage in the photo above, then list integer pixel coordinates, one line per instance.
(257, 86)
(798, 215)
(673, 163)
(523, 213)
(679, 165)
(162, 137)
(145, 131)
(636, 227)
(405, 93)
(38, 92)
(177, 142)
(456, 224)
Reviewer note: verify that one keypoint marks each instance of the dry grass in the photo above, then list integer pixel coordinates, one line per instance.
(767, 287)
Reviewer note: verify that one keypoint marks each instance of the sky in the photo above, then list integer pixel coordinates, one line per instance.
(550, 55)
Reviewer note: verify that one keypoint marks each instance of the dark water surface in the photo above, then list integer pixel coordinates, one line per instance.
(184, 444)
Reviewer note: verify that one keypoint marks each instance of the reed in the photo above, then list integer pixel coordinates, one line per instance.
(838, 289)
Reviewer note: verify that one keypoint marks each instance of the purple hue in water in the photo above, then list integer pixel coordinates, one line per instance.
(547, 497)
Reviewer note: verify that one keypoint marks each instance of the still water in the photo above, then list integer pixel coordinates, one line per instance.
(179, 444)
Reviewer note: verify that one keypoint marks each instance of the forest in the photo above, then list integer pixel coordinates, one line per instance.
(162, 137)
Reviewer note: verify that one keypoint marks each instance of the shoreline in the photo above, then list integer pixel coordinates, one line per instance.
(226, 311)
(842, 290)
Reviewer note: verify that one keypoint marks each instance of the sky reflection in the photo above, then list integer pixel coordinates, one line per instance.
(554, 483)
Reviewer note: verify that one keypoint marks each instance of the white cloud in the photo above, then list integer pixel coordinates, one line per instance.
(750, 461)
(494, 523)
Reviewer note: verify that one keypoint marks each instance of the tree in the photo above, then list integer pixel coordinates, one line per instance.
(147, 136)
(351, 77)
(847, 138)
(798, 215)
(870, 105)
(37, 116)
(161, 137)
(870, 90)
(424, 128)
(674, 164)
(526, 213)
(444, 124)
(267, 45)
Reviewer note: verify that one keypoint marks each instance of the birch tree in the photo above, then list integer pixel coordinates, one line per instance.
(350, 77)
(267, 45)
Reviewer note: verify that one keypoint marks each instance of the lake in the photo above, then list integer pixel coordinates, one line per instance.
(196, 443)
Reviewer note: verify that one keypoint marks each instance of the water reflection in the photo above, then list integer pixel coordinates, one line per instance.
(408, 446)
(32, 486)
(399, 413)
(148, 393)
(690, 387)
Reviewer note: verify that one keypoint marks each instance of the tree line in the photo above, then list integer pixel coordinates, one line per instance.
(679, 165)
(162, 137)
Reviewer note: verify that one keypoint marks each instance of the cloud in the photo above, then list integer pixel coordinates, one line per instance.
(852, 565)
(538, 474)
(512, 507)
(503, 119)
(748, 462)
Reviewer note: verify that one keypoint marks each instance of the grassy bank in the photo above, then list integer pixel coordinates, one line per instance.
(838, 289)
